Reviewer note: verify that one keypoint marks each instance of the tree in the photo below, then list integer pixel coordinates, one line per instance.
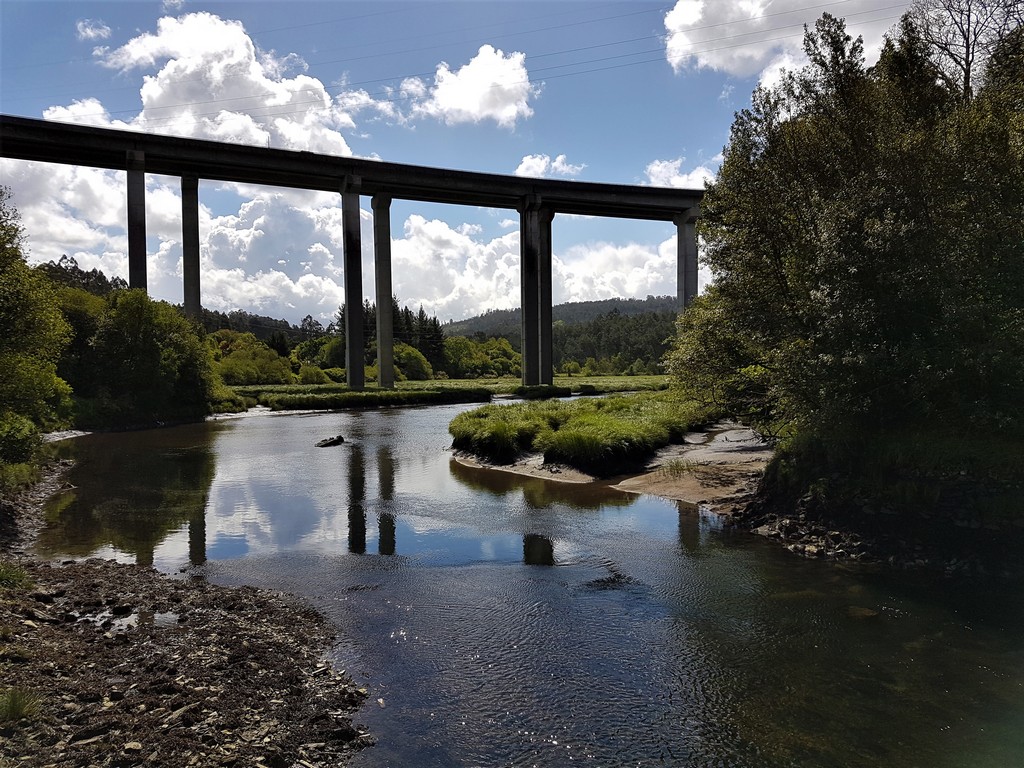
(32, 335)
(150, 364)
(963, 34)
(310, 328)
(241, 358)
(866, 241)
(66, 272)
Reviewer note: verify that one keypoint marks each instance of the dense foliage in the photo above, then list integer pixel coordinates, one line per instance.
(149, 365)
(78, 348)
(866, 231)
(33, 334)
(867, 238)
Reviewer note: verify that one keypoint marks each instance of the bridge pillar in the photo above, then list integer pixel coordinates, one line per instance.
(136, 165)
(544, 331)
(190, 245)
(535, 288)
(352, 246)
(686, 256)
(382, 286)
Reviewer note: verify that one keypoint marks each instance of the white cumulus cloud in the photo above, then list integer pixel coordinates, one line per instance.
(669, 173)
(212, 82)
(541, 166)
(492, 86)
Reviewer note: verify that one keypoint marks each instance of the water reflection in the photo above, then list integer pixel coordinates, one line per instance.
(538, 550)
(654, 639)
(163, 483)
(538, 492)
(356, 500)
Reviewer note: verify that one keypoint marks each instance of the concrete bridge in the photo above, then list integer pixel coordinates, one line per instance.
(536, 200)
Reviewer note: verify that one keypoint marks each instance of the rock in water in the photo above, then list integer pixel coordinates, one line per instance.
(328, 442)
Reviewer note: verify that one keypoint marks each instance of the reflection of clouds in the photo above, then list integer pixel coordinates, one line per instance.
(172, 553)
(390, 489)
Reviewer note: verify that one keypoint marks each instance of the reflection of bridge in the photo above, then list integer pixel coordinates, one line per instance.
(537, 200)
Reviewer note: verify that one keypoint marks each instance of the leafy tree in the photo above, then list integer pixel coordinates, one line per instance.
(866, 238)
(310, 328)
(241, 358)
(83, 310)
(150, 364)
(32, 334)
(278, 342)
(66, 272)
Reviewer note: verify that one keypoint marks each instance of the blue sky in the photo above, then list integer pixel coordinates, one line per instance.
(625, 92)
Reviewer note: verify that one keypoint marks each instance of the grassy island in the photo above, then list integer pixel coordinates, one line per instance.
(600, 436)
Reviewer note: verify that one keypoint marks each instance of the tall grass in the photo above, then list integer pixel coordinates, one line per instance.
(17, 703)
(314, 396)
(600, 436)
(13, 576)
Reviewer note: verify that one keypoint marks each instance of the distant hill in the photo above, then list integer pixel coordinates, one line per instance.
(507, 322)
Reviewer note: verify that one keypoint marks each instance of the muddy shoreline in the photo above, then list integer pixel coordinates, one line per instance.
(126, 666)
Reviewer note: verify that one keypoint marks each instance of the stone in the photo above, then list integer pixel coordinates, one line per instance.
(328, 442)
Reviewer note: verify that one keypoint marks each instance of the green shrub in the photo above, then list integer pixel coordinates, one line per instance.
(17, 703)
(310, 374)
(225, 400)
(13, 576)
(19, 438)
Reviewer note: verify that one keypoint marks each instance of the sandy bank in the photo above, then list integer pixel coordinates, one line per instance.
(717, 469)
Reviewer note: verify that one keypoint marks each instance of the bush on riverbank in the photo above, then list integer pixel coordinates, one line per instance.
(600, 436)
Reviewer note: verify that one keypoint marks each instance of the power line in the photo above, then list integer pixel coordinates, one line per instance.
(387, 96)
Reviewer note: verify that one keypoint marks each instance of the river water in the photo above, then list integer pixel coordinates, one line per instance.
(506, 621)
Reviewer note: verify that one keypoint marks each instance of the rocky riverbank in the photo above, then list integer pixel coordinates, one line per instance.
(107, 664)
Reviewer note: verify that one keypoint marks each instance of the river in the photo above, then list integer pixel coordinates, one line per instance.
(507, 621)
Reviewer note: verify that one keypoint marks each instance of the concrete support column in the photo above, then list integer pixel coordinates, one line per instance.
(190, 245)
(530, 247)
(136, 165)
(352, 245)
(382, 285)
(544, 330)
(535, 281)
(686, 256)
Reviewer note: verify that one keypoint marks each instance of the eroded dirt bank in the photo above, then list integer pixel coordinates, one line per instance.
(124, 666)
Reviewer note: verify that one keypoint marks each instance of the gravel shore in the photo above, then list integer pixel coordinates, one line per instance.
(119, 665)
